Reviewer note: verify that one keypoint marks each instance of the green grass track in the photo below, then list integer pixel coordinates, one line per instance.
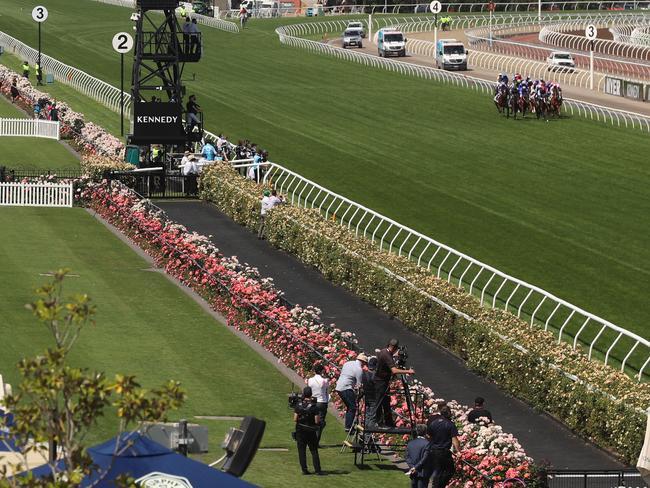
(562, 205)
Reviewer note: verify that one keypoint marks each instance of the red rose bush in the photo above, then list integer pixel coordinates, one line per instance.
(294, 334)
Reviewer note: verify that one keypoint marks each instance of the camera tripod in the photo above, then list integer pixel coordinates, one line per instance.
(365, 439)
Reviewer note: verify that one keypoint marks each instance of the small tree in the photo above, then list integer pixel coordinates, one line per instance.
(57, 404)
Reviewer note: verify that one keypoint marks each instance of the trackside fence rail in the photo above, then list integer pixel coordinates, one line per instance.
(36, 194)
(90, 86)
(29, 128)
(603, 339)
(561, 35)
(288, 36)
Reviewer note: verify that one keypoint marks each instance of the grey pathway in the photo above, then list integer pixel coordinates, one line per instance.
(542, 436)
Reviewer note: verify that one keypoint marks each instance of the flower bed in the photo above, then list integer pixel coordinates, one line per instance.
(295, 335)
(87, 137)
(603, 404)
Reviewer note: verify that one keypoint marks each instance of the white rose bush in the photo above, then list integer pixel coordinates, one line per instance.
(598, 402)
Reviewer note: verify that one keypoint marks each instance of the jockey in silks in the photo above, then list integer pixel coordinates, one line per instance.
(517, 79)
(502, 85)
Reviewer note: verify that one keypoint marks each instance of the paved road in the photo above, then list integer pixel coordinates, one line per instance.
(542, 437)
(583, 94)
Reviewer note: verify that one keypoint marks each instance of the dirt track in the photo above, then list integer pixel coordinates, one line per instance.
(569, 91)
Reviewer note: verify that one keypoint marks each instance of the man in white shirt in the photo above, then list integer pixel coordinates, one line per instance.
(349, 381)
(320, 389)
(269, 200)
(190, 167)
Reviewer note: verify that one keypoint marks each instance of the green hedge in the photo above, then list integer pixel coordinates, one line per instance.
(528, 363)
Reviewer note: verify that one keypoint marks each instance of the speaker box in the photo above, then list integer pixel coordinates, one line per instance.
(242, 444)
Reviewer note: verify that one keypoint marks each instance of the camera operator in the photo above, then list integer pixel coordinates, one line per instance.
(347, 385)
(386, 368)
(307, 422)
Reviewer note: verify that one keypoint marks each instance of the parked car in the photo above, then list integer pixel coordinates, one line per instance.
(391, 42)
(352, 37)
(561, 61)
(357, 25)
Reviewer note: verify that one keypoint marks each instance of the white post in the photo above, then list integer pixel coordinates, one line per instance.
(369, 27)
(539, 11)
(490, 22)
(591, 66)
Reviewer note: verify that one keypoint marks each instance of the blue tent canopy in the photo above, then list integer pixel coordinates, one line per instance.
(143, 459)
(7, 443)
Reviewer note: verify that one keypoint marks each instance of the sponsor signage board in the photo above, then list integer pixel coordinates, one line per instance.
(158, 123)
(614, 86)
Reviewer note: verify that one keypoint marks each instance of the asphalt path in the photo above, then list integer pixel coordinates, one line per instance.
(569, 91)
(544, 438)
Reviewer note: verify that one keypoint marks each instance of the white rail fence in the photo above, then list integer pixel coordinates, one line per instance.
(561, 35)
(90, 86)
(631, 34)
(29, 128)
(36, 194)
(470, 7)
(201, 19)
(494, 288)
(619, 118)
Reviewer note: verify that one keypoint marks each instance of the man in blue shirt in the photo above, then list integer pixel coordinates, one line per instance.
(208, 151)
(416, 450)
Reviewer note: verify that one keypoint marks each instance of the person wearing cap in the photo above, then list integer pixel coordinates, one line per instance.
(307, 420)
(386, 368)
(351, 379)
(270, 199)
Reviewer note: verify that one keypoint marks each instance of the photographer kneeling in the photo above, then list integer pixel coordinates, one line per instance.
(307, 419)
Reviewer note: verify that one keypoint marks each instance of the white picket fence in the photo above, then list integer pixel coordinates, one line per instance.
(29, 128)
(36, 194)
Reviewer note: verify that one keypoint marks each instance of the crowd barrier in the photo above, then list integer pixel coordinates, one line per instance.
(632, 33)
(29, 128)
(36, 194)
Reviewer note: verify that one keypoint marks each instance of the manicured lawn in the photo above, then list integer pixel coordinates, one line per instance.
(148, 327)
(562, 205)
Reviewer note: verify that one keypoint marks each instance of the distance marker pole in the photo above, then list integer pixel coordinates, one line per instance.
(591, 66)
(121, 94)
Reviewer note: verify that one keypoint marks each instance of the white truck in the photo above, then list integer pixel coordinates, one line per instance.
(391, 42)
(451, 54)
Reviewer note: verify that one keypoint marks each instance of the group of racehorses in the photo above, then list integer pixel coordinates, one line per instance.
(527, 97)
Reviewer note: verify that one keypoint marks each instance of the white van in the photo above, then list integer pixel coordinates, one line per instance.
(391, 42)
(451, 54)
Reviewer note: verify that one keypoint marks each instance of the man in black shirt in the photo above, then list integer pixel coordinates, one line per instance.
(479, 412)
(386, 368)
(193, 109)
(442, 434)
(307, 419)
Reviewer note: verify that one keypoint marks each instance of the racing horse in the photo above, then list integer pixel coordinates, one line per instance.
(501, 100)
(513, 101)
(555, 101)
(541, 106)
(524, 100)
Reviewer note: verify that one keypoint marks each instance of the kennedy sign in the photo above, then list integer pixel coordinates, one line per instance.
(158, 123)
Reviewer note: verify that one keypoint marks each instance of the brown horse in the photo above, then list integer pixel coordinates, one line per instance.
(501, 99)
(555, 101)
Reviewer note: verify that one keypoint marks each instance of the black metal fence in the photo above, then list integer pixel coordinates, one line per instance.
(159, 184)
(17, 174)
(595, 479)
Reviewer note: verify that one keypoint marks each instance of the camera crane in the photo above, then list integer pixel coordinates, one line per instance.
(161, 51)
